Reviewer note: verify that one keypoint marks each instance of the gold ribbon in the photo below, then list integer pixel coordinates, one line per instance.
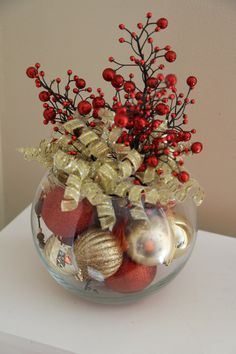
(102, 168)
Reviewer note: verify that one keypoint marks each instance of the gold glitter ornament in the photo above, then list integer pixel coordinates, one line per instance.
(97, 254)
(59, 256)
(151, 243)
(183, 233)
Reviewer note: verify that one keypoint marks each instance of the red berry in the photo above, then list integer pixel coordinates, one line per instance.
(49, 114)
(152, 82)
(69, 72)
(121, 40)
(171, 80)
(162, 23)
(131, 277)
(117, 81)
(80, 83)
(187, 136)
(108, 74)
(98, 102)
(140, 123)
(121, 120)
(121, 26)
(84, 107)
(183, 176)
(152, 161)
(170, 56)
(149, 15)
(44, 96)
(162, 109)
(31, 72)
(196, 147)
(191, 81)
(140, 25)
(129, 86)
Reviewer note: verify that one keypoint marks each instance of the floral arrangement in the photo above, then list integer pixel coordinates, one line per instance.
(132, 148)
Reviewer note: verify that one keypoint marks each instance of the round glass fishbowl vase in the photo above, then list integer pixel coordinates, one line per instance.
(145, 248)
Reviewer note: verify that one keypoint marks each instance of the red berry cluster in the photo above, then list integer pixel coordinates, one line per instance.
(57, 104)
(152, 117)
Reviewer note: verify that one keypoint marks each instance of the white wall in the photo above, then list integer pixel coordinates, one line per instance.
(2, 196)
(80, 35)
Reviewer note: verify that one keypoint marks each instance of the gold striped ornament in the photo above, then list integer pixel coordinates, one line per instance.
(97, 255)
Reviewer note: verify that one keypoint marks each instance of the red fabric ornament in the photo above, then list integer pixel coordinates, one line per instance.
(170, 56)
(98, 102)
(117, 81)
(171, 80)
(84, 107)
(108, 74)
(31, 72)
(44, 96)
(183, 176)
(65, 223)
(196, 147)
(191, 81)
(162, 23)
(131, 277)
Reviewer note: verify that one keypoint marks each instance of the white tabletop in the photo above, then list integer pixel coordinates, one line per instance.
(194, 314)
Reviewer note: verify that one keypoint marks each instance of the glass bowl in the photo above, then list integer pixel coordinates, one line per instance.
(144, 250)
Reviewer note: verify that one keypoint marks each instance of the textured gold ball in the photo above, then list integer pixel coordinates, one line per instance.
(151, 244)
(183, 233)
(59, 255)
(97, 254)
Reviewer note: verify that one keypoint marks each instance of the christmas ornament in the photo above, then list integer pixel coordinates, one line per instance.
(59, 256)
(65, 224)
(131, 277)
(183, 233)
(151, 244)
(97, 254)
(117, 170)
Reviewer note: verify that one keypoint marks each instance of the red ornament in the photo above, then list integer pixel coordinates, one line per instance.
(196, 147)
(44, 96)
(31, 72)
(81, 83)
(183, 176)
(171, 80)
(117, 81)
(121, 120)
(119, 232)
(152, 161)
(65, 223)
(49, 114)
(84, 107)
(152, 82)
(98, 102)
(162, 109)
(162, 23)
(131, 277)
(170, 56)
(108, 74)
(129, 86)
(191, 81)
